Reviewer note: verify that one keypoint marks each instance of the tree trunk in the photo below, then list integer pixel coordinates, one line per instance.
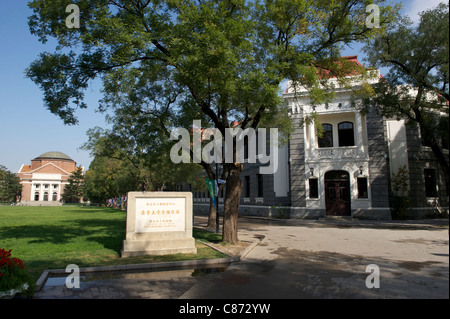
(212, 215)
(212, 210)
(232, 198)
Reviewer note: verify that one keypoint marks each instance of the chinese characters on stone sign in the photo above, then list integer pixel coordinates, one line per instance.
(153, 215)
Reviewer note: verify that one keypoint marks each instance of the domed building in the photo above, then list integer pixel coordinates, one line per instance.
(44, 179)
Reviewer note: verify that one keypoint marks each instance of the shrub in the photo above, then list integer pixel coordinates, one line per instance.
(13, 274)
(400, 203)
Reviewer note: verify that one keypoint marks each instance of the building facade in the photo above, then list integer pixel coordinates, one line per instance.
(343, 172)
(43, 181)
(348, 169)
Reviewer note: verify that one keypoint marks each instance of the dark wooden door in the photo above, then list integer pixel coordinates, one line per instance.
(337, 193)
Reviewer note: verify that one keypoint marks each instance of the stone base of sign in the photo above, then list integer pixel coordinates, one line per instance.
(159, 223)
(158, 247)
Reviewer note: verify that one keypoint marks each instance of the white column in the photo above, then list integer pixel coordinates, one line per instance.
(359, 133)
(312, 137)
(59, 191)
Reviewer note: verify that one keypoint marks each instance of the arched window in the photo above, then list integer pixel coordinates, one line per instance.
(327, 137)
(45, 197)
(345, 134)
(36, 196)
(55, 197)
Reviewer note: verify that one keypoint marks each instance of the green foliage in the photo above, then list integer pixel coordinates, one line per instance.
(400, 203)
(10, 187)
(165, 63)
(74, 191)
(108, 178)
(13, 275)
(129, 159)
(279, 211)
(416, 55)
(400, 180)
(400, 207)
(416, 87)
(224, 59)
(204, 235)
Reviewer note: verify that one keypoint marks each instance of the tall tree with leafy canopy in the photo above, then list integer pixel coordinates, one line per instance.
(10, 187)
(74, 191)
(178, 60)
(120, 154)
(416, 87)
(108, 178)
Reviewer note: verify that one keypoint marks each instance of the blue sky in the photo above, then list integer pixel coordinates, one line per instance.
(27, 129)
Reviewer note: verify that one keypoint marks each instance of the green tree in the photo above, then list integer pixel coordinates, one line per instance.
(417, 85)
(108, 178)
(133, 164)
(10, 187)
(174, 61)
(74, 191)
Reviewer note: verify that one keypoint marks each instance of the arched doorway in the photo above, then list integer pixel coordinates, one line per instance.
(337, 193)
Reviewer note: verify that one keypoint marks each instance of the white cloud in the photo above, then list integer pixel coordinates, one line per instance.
(414, 7)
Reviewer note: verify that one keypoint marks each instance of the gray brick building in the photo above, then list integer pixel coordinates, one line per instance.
(345, 172)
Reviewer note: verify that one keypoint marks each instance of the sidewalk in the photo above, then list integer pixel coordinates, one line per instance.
(301, 259)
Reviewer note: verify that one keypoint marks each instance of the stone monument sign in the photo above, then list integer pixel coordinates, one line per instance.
(159, 223)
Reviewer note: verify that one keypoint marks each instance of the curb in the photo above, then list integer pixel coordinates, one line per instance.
(146, 266)
(242, 254)
(245, 252)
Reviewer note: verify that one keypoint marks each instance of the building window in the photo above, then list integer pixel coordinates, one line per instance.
(247, 186)
(260, 185)
(55, 186)
(45, 197)
(430, 183)
(46, 185)
(362, 187)
(37, 185)
(313, 188)
(327, 137)
(425, 139)
(345, 134)
(245, 147)
(55, 197)
(256, 141)
(36, 196)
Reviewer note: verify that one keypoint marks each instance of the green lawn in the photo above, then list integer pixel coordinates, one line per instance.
(53, 237)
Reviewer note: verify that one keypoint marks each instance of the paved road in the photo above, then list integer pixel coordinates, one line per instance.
(328, 259)
(305, 259)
